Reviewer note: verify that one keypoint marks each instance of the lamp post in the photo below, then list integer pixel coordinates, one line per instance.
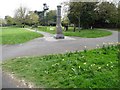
(45, 8)
(59, 34)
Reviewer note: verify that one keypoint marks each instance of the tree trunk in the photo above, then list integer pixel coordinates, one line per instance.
(74, 28)
(79, 24)
(66, 27)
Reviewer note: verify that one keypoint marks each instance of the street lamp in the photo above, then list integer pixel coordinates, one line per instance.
(45, 8)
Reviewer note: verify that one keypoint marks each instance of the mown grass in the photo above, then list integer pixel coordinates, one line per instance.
(49, 29)
(86, 33)
(12, 35)
(0, 35)
(96, 68)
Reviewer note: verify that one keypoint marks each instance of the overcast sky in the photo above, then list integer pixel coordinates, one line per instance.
(7, 7)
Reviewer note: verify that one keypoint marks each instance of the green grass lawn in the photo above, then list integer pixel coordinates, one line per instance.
(0, 35)
(47, 29)
(12, 35)
(86, 33)
(96, 68)
(117, 30)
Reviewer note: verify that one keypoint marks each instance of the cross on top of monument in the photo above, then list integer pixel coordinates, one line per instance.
(45, 6)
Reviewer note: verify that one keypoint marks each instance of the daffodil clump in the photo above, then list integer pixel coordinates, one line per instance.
(96, 68)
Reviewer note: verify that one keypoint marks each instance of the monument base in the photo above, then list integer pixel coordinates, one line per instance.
(59, 36)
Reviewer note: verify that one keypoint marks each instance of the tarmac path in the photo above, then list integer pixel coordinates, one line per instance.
(49, 45)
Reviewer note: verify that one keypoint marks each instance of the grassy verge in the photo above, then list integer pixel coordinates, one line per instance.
(12, 35)
(47, 29)
(87, 33)
(96, 68)
(0, 35)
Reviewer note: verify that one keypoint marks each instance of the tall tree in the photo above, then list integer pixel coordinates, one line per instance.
(119, 14)
(32, 18)
(65, 20)
(51, 16)
(9, 20)
(82, 13)
(107, 14)
(20, 15)
(75, 13)
(88, 14)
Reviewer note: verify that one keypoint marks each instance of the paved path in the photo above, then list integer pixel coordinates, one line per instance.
(49, 45)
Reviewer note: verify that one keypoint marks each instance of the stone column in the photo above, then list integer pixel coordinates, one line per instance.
(59, 34)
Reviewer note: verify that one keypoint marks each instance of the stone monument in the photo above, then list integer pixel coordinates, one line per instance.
(59, 34)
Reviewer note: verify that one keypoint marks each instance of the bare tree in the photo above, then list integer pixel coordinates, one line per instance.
(20, 15)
